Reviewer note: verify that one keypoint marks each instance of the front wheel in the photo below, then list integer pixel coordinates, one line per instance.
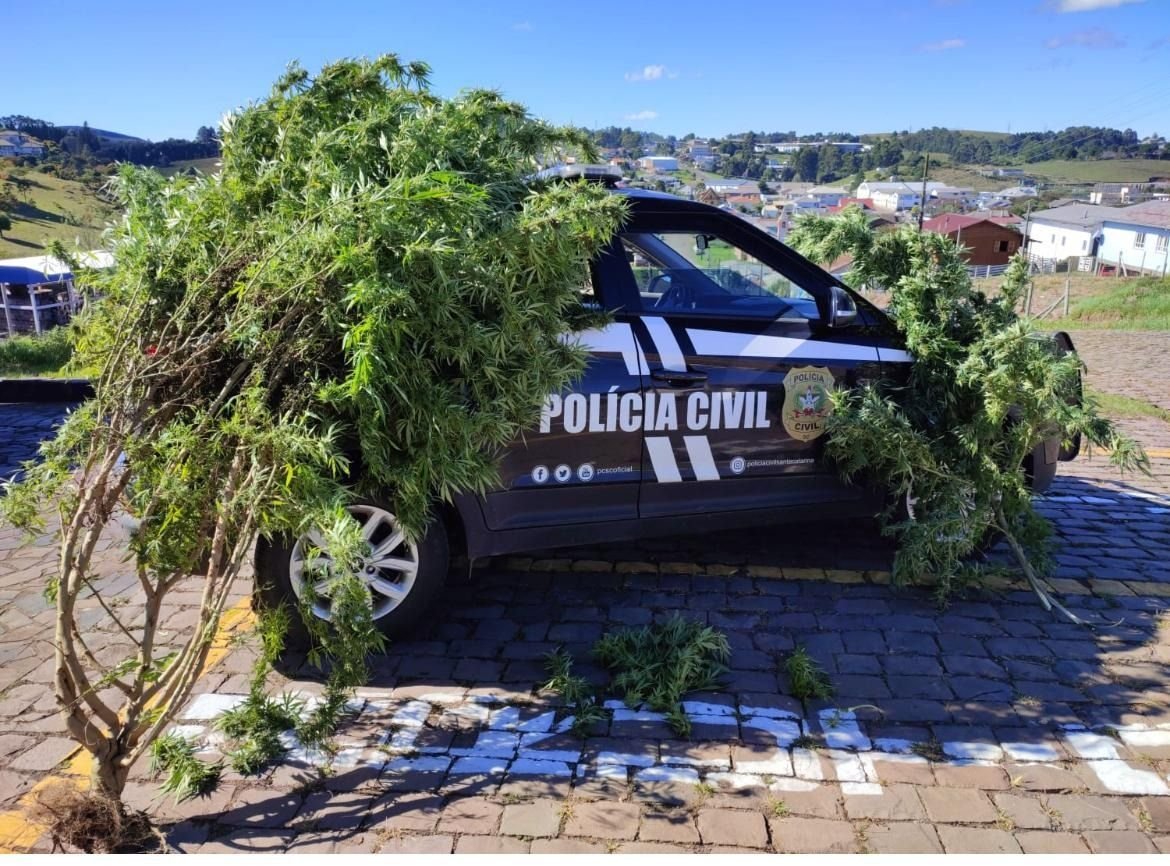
(404, 577)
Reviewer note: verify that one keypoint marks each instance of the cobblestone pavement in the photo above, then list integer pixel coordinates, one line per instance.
(1133, 364)
(988, 726)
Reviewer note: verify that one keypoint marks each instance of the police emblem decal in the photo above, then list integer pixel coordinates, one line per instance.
(806, 402)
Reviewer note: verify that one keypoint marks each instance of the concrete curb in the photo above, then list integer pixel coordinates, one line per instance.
(44, 390)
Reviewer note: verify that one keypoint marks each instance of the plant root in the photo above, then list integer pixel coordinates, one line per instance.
(94, 823)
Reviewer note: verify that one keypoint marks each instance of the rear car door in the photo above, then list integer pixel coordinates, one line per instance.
(739, 367)
(583, 461)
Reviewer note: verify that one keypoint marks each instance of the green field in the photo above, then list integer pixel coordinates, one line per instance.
(1099, 170)
(1142, 304)
(209, 165)
(49, 209)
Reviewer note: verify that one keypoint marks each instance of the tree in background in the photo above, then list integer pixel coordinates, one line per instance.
(371, 276)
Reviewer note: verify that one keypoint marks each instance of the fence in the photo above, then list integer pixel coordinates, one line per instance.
(979, 271)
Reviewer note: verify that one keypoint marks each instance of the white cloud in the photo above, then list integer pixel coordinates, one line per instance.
(523, 27)
(944, 45)
(1094, 37)
(1091, 5)
(645, 114)
(652, 72)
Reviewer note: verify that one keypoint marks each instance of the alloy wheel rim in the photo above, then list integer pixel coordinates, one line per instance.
(388, 568)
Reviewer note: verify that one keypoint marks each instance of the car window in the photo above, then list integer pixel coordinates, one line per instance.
(706, 274)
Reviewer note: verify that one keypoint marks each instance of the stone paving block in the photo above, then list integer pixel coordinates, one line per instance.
(567, 846)
(1041, 778)
(732, 827)
(1158, 809)
(603, 820)
(472, 815)
(890, 770)
(13, 786)
(972, 776)
(974, 840)
(1025, 813)
(902, 838)
(412, 812)
(1087, 812)
(491, 845)
(44, 756)
(260, 841)
(812, 836)
(417, 845)
(957, 806)
(1039, 842)
(261, 807)
(541, 818)
(894, 803)
(1119, 842)
(675, 827)
(823, 801)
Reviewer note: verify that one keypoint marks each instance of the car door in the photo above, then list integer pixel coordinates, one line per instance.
(582, 463)
(739, 367)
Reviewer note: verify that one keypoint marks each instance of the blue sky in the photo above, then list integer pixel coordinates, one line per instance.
(158, 69)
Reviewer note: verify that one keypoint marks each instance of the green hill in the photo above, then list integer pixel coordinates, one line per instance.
(1099, 170)
(45, 208)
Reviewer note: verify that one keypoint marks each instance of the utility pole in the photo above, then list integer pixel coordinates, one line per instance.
(922, 198)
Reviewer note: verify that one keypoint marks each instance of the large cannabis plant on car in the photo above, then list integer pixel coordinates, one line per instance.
(984, 390)
(369, 274)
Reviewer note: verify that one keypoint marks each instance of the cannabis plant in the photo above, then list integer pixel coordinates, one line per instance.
(369, 277)
(985, 389)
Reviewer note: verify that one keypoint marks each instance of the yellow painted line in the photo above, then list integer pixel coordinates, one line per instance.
(1158, 452)
(18, 829)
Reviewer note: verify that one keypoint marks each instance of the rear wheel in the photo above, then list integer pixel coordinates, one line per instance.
(403, 577)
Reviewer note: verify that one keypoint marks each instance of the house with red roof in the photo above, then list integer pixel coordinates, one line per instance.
(986, 240)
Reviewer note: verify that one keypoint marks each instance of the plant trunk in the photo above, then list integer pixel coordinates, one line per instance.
(108, 775)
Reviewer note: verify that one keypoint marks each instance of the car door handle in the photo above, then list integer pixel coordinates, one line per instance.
(679, 378)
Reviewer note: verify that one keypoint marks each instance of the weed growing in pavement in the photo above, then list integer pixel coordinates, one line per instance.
(187, 776)
(1004, 821)
(805, 741)
(931, 750)
(659, 663)
(654, 665)
(576, 691)
(777, 808)
(805, 676)
(255, 726)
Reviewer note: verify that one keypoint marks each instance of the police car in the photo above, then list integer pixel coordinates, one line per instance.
(702, 408)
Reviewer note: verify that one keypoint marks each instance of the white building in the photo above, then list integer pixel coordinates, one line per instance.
(18, 144)
(659, 163)
(1069, 230)
(827, 196)
(1137, 237)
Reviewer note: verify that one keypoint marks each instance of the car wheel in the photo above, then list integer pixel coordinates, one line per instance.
(404, 578)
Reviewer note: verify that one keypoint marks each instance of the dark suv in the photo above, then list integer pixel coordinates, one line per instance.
(703, 407)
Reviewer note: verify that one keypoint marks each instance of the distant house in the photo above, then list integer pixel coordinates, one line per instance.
(1137, 237)
(37, 293)
(863, 203)
(734, 186)
(1120, 193)
(659, 163)
(14, 143)
(1070, 230)
(986, 242)
(901, 195)
(827, 196)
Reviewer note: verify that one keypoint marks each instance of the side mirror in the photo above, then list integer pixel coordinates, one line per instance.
(700, 243)
(842, 309)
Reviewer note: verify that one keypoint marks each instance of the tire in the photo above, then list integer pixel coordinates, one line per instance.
(280, 575)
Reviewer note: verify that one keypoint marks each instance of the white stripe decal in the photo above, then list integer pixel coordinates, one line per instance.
(699, 450)
(731, 344)
(662, 459)
(894, 356)
(669, 353)
(614, 337)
